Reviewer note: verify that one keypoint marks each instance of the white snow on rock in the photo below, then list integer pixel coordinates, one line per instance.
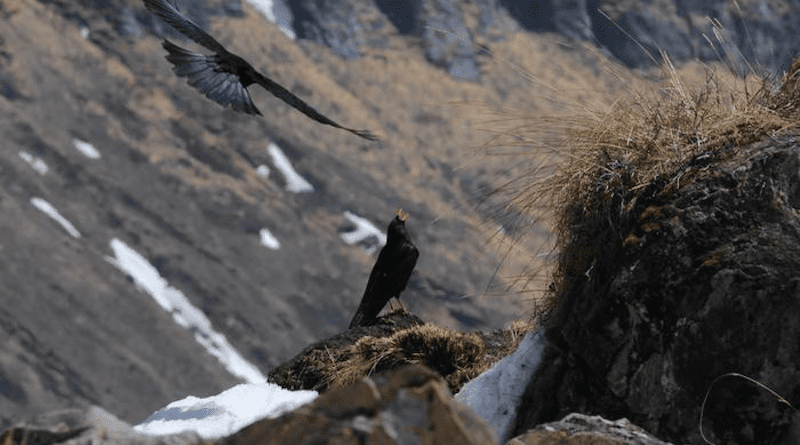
(277, 13)
(51, 211)
(294, 182)
(363, 231)
(227, 412)
(86, 148)
(183, 312)
(268, 240)
(35, 162)
(495, 394)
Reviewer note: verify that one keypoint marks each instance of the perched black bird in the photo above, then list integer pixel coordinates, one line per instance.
(390, 274)
(225, 76)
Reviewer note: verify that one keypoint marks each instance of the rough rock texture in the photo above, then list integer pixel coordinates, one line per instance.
(694, 278)
(410, 405)
(580, 429)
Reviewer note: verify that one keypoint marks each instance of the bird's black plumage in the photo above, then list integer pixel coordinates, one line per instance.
(223, 77)
(390, 274)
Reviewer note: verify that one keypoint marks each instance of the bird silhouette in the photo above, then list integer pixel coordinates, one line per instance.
(224, 76)
(390, 274)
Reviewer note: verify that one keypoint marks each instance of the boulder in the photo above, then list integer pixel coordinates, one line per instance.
(672, 285)
(580, 429)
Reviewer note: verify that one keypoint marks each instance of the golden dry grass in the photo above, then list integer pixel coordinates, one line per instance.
(595, 153)
(456, 356)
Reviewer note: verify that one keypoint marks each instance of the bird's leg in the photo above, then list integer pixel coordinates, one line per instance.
(401, 305)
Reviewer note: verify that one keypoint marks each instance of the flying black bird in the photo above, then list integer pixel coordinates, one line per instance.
(224, 76)
(390, 274)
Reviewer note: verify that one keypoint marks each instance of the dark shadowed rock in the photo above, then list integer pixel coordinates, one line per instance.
(693, 278)
(580, 429)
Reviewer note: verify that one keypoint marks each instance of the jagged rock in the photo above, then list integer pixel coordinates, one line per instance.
(694, 278)
(409, 405)
(580, 429)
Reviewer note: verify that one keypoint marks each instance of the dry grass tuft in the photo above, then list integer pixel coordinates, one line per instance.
(591, 160)
(457, 356)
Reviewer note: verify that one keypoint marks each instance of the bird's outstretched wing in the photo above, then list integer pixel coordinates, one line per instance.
(224, 76)
(301, 106)
(205, 74)
(167, 11)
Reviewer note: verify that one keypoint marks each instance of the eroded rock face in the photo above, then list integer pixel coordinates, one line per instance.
(694, 278)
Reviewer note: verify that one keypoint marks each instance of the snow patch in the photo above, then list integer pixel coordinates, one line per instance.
(268, 240)
(86, 148)
(263, 171)
(183, 312)
(363, 231)
(227, 412)
(495, 394)
(294, 182)
(277, 13)
(51, 211)
(36, 163)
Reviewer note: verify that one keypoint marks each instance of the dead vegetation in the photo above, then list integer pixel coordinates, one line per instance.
(456, 356)
(598, 159)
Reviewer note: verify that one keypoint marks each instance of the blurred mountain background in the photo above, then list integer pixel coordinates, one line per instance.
(96, 125)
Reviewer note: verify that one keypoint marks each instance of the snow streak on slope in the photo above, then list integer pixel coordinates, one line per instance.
(86, 148)
(268, 240)
(363, 231)
(51, 211)
(36, 163)
(277, 13)
(495, 394)
(227, 412)
(173, 301)
(294, 182)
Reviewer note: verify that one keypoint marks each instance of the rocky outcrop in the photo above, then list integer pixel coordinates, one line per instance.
(676, 284)
(580, 429)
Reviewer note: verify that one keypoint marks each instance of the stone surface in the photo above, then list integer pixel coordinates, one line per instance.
(411, 405)
(694, 278)
(580, 429)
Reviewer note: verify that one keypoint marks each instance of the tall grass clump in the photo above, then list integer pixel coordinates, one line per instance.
(593, 162)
